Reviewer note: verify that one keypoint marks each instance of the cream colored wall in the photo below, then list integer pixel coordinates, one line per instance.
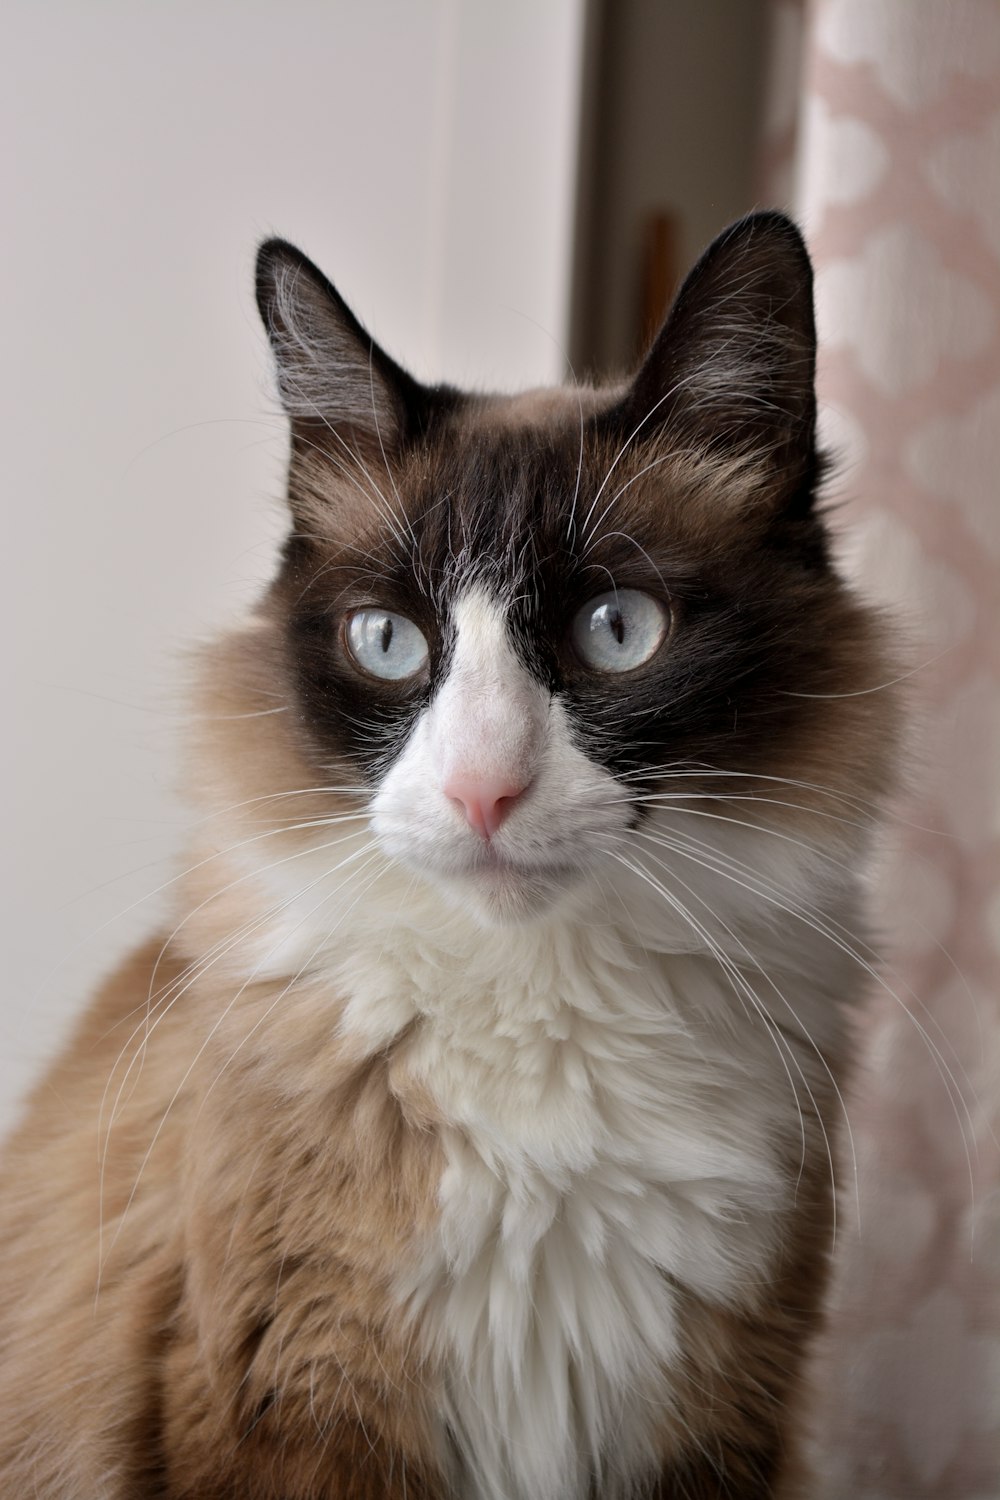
(424, 154)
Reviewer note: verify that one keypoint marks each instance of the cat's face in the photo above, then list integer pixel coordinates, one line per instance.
(522, 625)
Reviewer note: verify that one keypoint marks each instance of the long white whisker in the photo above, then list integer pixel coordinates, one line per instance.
(744, 991)
(724, 862)
(818, 925)
(653, 464)
(247, 875)
(726, 820)
(365, 850)
(850, 799)
(320, 822)
(362, 891)
(880, 687)
(799, 1023)
(622, 452)
(173, 992)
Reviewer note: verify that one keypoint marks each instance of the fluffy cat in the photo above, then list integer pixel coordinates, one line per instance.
(472, 1132)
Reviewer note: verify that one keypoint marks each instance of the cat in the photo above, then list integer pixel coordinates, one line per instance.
(472, 1132)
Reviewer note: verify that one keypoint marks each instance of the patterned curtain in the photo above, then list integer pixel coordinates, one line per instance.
(883, 135)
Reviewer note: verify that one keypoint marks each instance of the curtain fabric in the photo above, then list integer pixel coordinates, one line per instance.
(883, 136)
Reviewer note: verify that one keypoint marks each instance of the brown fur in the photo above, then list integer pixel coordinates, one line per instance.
(243, 1290)
(739, 1430)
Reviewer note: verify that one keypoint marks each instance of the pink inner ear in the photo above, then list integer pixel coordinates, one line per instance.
(485, 801)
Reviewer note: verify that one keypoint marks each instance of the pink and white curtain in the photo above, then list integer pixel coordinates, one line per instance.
(883, 135)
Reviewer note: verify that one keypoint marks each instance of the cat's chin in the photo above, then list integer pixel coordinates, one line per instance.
(510, 896)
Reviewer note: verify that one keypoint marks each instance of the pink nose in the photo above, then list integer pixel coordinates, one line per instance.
(485, 802)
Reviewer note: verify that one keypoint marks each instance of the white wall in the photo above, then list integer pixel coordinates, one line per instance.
(423, 151)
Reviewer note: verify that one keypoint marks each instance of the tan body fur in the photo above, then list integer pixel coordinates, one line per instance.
(270, 1269)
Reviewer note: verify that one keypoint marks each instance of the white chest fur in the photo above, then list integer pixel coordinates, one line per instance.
(606, 1141)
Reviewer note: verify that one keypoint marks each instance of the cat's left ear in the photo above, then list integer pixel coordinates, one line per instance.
(732, 371)
(334, 380)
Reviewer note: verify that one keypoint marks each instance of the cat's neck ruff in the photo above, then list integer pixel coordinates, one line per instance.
(616, 1132)
(617, 1124)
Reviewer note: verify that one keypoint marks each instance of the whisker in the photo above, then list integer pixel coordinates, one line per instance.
(653, 464)
(251, 874)
(190, 975)
(362, 892)
(622, 452)
(743, 991)
(880, 687)
(147, 1006)
(734, 864)
(805, 1031)
(817, 924)
(850, 799)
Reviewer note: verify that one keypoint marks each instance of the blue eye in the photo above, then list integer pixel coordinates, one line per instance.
(620, 630)
(385, 644)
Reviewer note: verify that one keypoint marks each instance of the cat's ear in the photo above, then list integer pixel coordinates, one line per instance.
(333, 378)
(732, 371)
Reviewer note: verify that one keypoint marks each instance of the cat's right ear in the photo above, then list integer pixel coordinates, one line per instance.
(335, 382)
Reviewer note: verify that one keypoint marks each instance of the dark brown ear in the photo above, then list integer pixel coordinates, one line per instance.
(332, 375)
(732, 370)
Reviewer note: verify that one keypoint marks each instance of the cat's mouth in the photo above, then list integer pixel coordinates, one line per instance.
(492, 861)
(503, 889)
(493, 865)
(512, 877)
(486, 863)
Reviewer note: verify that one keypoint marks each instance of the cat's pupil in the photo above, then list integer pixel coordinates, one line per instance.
(617, 623)
(386, 633)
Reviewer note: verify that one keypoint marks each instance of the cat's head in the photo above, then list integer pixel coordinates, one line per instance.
(552, 637)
